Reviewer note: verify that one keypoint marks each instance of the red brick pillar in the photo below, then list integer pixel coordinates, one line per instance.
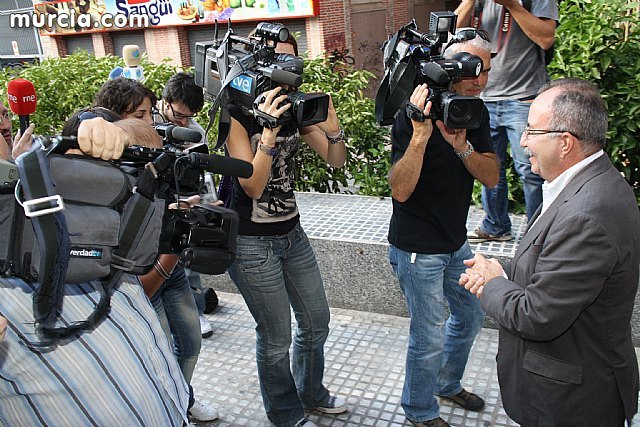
(171, 43)
(327, 31)
(54, 46)
(102, 44)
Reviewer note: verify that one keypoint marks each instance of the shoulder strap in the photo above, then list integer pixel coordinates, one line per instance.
(44, 207)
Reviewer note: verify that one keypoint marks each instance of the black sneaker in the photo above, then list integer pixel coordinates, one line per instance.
(210, 301)
(469, 401)
(436, 422)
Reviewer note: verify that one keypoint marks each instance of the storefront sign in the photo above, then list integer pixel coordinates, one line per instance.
(71, 16)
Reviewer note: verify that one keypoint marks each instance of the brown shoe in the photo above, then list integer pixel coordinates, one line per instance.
(479, 236)
(469, 401)
(436, 422)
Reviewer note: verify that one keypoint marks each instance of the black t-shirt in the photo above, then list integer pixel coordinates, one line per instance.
(433, 220)
(275, 213)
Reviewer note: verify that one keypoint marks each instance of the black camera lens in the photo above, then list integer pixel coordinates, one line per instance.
(308, 108)
(460, 112)
(275, 32)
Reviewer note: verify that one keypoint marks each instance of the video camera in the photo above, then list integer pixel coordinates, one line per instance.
(412, 58)
(236, 70)
(203, 235)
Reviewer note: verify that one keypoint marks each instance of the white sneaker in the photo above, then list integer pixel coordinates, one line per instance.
(202, 412)
(336, 405)
(305, 423)
(205, 327)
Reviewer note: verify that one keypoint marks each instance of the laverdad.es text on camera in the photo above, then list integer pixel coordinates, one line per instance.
(412, 58)
(237, 70)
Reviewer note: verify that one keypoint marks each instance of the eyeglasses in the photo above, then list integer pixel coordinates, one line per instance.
(178, 115)
(467, 34)
(528, 132)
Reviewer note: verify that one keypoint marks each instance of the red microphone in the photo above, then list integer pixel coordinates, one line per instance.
(22, 100)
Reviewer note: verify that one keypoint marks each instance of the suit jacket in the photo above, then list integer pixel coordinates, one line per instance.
(565, 356)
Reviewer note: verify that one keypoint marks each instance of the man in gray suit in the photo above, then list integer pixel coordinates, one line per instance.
(564, 305)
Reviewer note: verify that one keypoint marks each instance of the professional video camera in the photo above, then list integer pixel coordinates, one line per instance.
(72, 218)
(203, 235)
(412, 58)
(236, 70)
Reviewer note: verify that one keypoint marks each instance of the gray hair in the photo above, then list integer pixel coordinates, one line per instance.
(579, 109)
(457, 47)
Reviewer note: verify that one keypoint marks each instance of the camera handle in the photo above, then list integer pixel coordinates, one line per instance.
(266, 120)
(414, 113)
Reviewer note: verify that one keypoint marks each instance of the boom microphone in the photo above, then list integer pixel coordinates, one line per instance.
(282, 76)
(178, 133)
(22, 100)
(434, 72)
(221, 164)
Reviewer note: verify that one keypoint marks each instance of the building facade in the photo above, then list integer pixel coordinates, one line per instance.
(357, 26)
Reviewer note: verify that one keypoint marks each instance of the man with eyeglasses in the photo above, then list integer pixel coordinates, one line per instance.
(181, 101)
(431, 183)
(520, 31)
(564, 304)
(167, 287)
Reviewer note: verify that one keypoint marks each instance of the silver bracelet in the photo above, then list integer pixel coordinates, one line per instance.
(336, 139)
(467, 153)
(160, 270)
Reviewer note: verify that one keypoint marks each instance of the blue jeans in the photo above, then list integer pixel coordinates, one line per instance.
(508, 119)
(178, 315)
(438, 351)
(196, 287)
(275, 274)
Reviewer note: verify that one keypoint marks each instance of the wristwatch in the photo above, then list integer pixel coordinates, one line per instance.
(336, 139)
(269, 151)
(467, 153)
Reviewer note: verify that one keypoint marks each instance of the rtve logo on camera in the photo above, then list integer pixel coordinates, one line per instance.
(243, 83)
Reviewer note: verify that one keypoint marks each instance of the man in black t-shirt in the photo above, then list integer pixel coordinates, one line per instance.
(431, 182)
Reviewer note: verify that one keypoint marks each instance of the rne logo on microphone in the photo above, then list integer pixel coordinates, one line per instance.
(26, 98)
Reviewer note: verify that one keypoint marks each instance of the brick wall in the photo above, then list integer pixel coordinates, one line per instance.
(330, 30)
(332, 21)
(102, 44)
(402, 14)
(168, 43)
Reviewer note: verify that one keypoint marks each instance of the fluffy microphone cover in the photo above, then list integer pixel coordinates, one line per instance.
(22, 97)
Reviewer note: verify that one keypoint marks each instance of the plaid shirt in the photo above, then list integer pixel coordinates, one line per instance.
(123, 373)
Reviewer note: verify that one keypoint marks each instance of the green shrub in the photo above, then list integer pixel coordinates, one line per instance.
(367, 159)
